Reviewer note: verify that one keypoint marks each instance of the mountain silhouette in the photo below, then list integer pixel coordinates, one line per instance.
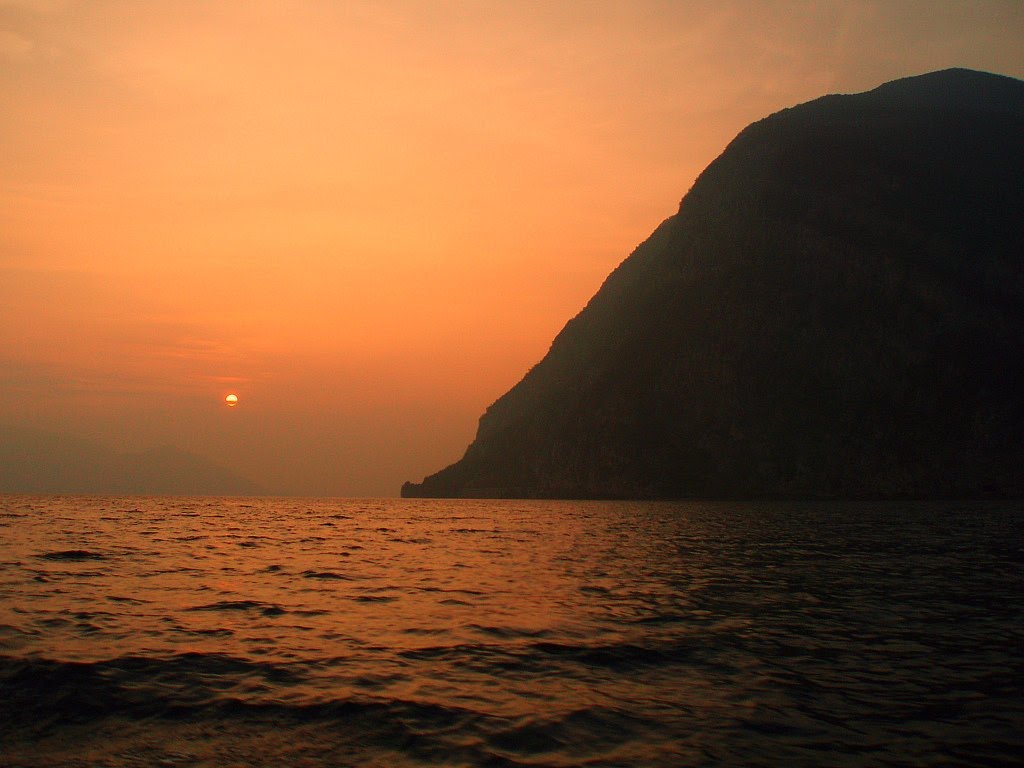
(836, 311)
(34, 461)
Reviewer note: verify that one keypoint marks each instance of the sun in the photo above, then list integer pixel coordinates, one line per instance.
(231, 400)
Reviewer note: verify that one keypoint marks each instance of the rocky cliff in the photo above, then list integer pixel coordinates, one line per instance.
(836, 310)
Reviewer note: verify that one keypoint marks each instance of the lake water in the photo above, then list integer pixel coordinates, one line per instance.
(290, 632)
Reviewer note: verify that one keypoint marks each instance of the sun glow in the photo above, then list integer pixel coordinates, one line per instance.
(231, 400)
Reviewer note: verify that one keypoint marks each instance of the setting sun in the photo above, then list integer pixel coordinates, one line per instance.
(231, 400)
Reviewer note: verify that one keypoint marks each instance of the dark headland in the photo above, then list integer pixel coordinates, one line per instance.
(836, 311)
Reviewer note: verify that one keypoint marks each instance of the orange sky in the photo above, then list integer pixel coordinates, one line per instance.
(368, 218)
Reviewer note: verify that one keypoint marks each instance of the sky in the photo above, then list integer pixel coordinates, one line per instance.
(368, 219)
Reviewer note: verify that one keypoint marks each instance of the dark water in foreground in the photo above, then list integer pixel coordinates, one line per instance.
(219, 632)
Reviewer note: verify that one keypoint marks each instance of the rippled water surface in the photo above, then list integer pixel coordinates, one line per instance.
(219, 632)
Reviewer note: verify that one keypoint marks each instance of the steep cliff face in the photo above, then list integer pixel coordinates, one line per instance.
(836, 310)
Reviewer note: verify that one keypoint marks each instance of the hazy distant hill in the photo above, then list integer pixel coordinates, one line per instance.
(836, 310)
(38, 462)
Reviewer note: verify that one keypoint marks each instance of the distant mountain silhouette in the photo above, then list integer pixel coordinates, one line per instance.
(836, 310)
(33, 461)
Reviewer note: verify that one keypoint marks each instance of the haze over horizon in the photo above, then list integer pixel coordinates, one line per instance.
(367, 221)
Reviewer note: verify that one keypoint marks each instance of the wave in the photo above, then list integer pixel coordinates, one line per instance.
(267, 609)
(39, 696)
(546, 658)
(72, 555)
(327, 575)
